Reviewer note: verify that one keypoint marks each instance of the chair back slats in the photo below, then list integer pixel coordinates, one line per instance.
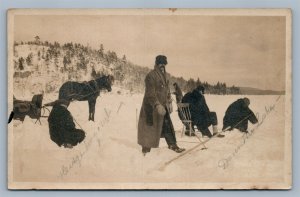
(189, 113)
(184, 111)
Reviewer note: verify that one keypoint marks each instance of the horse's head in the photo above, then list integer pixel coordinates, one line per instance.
(105, 82)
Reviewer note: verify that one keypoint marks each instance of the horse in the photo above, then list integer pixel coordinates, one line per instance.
(86, 91)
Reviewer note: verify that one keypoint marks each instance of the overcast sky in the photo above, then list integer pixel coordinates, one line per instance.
(239, 50)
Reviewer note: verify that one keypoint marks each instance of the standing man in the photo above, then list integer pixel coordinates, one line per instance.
(178, 93)
(155, 121)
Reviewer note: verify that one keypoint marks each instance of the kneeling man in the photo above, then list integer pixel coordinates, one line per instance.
(62, 127)
(238, 114)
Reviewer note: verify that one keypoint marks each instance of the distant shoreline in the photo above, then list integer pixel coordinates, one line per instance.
(256, 91)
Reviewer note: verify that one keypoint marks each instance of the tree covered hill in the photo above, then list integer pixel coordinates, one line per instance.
(44, 66)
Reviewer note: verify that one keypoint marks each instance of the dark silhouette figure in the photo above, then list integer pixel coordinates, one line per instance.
(238, 114)
(62, 127)
(202, 117)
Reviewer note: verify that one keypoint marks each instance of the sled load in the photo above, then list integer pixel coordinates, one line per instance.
(32, 108)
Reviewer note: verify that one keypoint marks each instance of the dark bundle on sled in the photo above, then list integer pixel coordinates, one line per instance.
(32, 108)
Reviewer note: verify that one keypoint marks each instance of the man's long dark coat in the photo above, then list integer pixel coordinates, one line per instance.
(62, 128)
(150, 123)
(199, 110)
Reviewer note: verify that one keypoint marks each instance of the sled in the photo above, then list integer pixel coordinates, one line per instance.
(32, 108)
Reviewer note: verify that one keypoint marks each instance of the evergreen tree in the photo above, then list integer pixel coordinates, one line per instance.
(124, 58)
(37, 40)
(190, 85)
(94, 74)
(101, 50)
(21, 63)
(47, 58)
(198, 82)
(29, 59)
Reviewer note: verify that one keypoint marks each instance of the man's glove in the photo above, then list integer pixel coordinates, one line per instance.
(160, 110)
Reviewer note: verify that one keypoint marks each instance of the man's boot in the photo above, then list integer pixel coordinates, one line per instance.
(175, 148)
(206, 132)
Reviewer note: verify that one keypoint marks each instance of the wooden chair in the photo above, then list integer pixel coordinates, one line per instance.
(185, 116)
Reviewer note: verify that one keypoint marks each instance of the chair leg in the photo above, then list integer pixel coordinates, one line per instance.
(190, 125)
(37, 121)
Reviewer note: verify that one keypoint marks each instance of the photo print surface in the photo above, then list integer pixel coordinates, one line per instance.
(149, 99)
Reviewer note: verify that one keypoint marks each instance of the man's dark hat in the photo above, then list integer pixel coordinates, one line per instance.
(200, 88)
(246, 101)
(161, 59)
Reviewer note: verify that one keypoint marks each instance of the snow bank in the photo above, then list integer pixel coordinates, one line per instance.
(110, 152)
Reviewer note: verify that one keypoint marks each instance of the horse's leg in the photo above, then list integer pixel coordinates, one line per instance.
(92, 103)
(90, 109)
(93, 109)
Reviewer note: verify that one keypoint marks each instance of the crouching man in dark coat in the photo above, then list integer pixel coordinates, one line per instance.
(238, 114)
(61, 126)
(201, 116)
(154, 121)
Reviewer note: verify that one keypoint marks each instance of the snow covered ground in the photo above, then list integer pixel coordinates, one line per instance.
(110, 153)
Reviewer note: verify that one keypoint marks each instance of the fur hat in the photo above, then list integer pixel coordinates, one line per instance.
(200, 88)
(246, 101)
(161, 59)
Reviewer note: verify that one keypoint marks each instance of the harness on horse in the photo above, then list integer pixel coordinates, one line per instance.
(96, 86)
(94, 90)
(81, 94)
